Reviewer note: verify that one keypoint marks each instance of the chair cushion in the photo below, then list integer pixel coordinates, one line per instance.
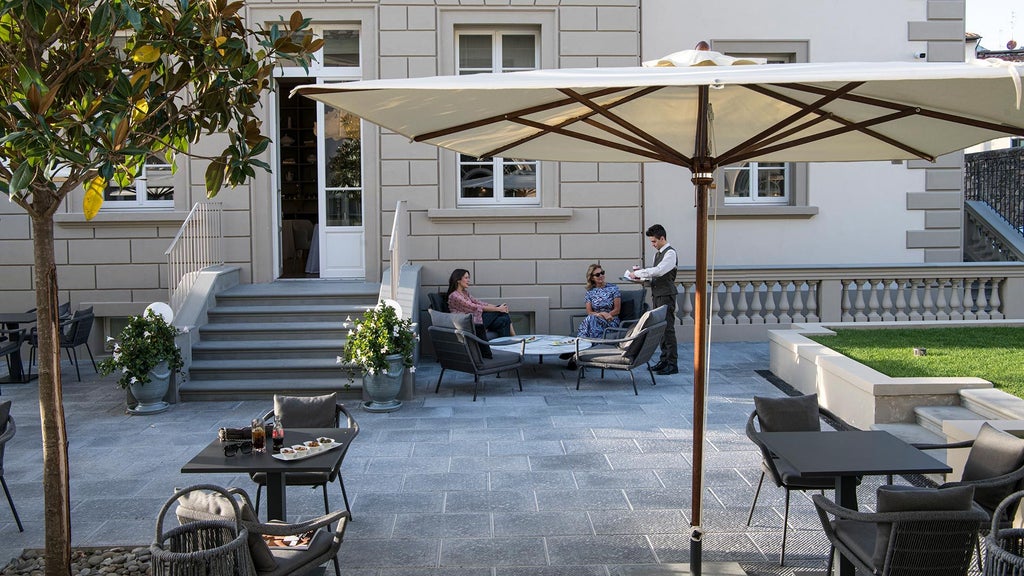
(290, 560)
(438, 301)
(500, 359)
(452, 320)
(650, 317)
(602, 354)
(994, 453)
(860, 538)
(910, 498)
(307, 411)
(794, 481)
(217, 505)
(294, 478)
(788, 414)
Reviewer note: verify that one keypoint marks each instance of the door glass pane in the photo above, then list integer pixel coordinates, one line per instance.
(520, 180)
(475, 51)
(517, 52)
(343, 150)
(341, 48)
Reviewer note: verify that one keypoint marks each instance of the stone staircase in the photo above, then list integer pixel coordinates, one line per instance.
(281, 337)
(944, 424)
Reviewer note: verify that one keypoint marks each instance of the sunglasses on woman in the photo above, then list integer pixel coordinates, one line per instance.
(596, 274)
(243, 447)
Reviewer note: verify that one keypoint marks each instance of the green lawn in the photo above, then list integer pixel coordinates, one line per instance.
(995, 354)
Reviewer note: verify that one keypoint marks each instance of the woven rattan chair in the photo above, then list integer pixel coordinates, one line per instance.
(266, 560)
(632, 351)
(7, 430)
(903, 543)
(788, 414)
(294, 414)
(210, 546)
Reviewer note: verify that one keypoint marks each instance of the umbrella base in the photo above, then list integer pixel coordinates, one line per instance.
(707, 569)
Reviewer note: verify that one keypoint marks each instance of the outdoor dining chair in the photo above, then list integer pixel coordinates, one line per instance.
(207, 502)
(787, 414)
(915, 531)
(7, 430)
(74, 332)
(311, 412)
(632, 351)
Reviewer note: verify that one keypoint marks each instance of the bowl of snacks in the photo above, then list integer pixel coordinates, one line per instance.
(300, 451)
(325, 442)
(313, 446)
(287, 453)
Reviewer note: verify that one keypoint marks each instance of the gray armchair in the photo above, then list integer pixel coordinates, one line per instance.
(197, 505)
(916, 531)
(633, 304)
(787, 414)
(632, 351)
(7, 430)
(311, 412)
(460, 350)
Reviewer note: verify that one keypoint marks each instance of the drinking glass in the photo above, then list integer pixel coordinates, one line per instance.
(259, 436)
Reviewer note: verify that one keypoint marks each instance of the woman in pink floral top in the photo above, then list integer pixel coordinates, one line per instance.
(485, 316)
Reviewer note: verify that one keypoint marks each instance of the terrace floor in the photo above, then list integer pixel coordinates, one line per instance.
(549, 481)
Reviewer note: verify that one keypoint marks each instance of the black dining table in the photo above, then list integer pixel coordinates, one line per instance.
(12, 321)
(847, 455)
(211, 459)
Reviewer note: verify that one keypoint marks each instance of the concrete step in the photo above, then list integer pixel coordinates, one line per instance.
(273, 331)
(993, 404)
(284, 313)
(256, 349)
(931, 417)
(301, 292)
(917, 434)
(268, 369)
(257, 389)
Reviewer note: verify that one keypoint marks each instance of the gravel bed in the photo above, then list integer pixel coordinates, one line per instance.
(86, 562)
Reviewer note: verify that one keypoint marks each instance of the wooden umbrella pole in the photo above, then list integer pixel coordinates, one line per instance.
(702, 171)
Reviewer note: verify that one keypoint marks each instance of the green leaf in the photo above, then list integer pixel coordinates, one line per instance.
(21, 177)
(215, 177)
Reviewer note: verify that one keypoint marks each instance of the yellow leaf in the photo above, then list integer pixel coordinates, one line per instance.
(220, 40)
(94, 197)
(146, 54)
(140, 110)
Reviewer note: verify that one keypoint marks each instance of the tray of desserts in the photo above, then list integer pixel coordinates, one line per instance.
(306, 449)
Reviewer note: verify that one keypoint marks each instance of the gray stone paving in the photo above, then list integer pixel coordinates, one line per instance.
(549, 481)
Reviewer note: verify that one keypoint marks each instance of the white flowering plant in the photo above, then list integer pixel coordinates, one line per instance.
(144, 342)
(379, 334)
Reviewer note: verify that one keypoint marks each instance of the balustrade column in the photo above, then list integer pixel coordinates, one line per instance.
(741, 304)
(756, 311)
(873, 315)
(982, 301)
(940, 304)
(994, 302)
(812, 301)
(784, 316)
(769, 304)
(858, 303)
(798, 302)
(928, 313)
(956, 310)
(728, 317)
(969, 299)
(846, 316)
(915, 302)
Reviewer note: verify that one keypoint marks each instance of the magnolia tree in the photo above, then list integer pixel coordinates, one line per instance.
(88, 90)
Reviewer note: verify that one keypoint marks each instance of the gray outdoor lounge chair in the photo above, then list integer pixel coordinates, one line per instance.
(196, 505)
(916, 531)
(632, 351)
(460, 350)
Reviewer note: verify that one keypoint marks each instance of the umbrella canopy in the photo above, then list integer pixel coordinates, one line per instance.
(773, 112)
(700, 110)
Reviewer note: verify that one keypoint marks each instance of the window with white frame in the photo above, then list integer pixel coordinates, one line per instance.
(340, 51)
(496, 181)
(764, 183)
(153, 187)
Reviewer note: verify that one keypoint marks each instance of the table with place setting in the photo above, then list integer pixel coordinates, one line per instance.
(539, 344)
(236, 457)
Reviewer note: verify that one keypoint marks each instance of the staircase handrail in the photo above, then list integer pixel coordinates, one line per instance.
(198, 245)
(989, 234)
(398, 247)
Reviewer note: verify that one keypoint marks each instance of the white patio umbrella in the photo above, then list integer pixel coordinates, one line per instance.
(700, 110)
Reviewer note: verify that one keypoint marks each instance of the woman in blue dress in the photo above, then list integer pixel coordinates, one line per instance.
(603, 304)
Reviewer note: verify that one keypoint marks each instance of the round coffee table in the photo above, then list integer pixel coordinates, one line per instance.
(539, 344)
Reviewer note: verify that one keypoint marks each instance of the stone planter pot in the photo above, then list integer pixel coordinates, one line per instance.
(383, 389)
(150, 396)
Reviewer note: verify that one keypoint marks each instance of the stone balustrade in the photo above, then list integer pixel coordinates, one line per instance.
(746, 302)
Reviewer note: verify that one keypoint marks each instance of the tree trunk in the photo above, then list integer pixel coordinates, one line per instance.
(56, 484)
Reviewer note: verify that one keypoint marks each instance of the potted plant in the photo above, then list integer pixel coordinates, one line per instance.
(380, 345)
(146, 357)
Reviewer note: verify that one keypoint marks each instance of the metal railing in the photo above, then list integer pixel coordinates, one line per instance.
(398, 246)
(996, 177)
(197, 245)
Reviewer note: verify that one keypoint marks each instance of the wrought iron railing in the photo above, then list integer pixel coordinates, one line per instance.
(996, 177)
(198, 245)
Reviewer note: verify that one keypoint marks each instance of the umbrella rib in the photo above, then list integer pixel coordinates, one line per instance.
(852, 127)
(630, 127)
(586, 118)
(954, 118)
(507, 116)
(732, 155)
(652, 154)
(762, 137)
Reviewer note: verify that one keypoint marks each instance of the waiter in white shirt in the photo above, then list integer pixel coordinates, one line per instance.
(663, 293)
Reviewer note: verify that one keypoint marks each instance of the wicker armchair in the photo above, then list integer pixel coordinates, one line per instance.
(196, 506)
(937, 540)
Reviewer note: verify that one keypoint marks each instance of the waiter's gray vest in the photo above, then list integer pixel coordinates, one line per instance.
(664, 285)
